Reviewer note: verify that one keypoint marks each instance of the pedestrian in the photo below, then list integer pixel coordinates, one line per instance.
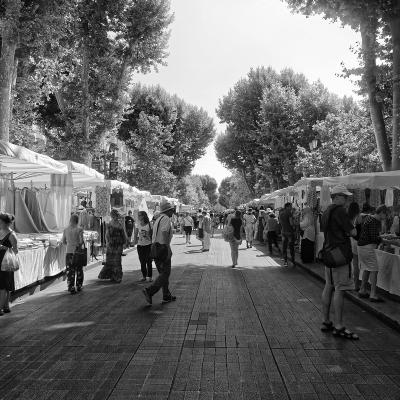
(180, 223)
(8, 240)
(73, 238)
(272, 229)
(307, 226)
(356, 220)
(188, 224)
(249, 221)
(162, 237)
(116, 239)
(236, 238)
(129, 227)
(206, 224)
(287, 226)
(200, 231)
(367, 243)
(260, 225)
(143, 241)
(337, 228)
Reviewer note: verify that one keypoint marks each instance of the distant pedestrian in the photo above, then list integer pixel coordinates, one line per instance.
(143, 241)
(206, 231)
(272, 229)
(307, 226)
(8, 240)
(188, 225)
(337, 228)
(129, 227)
(287, 226)
(73, 238)
(367, 243)
(261, 224)
(249, 223)
(162, 237)
(116, 239)
(236, 238)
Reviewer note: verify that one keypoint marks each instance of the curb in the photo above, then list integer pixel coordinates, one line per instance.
(388, 320)
(49, 281)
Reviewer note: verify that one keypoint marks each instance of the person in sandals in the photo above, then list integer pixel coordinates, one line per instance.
(337, 228)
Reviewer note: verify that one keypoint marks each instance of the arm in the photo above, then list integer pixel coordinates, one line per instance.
(81, 240)
(14, 243)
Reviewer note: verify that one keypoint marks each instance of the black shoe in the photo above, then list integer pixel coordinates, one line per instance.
(147, 296)
(79, 288)
(6, 310)
(142, 280)
(72, 290)
(169, 299)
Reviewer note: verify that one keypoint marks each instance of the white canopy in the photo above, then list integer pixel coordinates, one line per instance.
(26, 164)
(82, 175)
(370, 180)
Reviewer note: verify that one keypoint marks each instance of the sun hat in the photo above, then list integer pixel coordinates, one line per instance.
(341, 189)
(165, 206)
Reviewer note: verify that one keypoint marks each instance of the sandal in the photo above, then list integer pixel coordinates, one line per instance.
(344, 333)
(327, 326)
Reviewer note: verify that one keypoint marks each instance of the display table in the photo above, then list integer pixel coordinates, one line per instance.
(389, 271)
(43, 257)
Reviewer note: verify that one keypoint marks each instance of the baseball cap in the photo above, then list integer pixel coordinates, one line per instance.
(341, 189)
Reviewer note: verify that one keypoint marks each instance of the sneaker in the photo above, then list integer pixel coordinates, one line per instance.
(285, 264)
(149, 279)
(79, 288)
(72, 290)
(169, 299)
(143, 279)
(147, 296)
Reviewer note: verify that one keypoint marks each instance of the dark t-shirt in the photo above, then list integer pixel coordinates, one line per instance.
(129, 223)
(285, 219)
(340, 226)
(237, 224)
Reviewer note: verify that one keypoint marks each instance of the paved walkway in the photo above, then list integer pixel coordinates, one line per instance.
(248, 333)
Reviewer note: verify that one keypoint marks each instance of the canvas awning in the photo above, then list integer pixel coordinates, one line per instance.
(370, 180)
(82, 175)
(23, 163)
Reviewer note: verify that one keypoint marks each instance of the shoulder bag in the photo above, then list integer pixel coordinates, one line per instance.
(337, 255)
(79, 259)
(10, 262)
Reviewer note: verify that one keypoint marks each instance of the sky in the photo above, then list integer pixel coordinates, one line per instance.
(214, 43)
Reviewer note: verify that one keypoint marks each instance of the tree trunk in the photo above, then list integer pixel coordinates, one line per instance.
(395, 30)
(9, 42)
(368, 40)
(85, 95)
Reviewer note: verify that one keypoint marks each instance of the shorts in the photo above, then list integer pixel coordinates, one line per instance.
(367, 258)
(340, 277)
(188, 230)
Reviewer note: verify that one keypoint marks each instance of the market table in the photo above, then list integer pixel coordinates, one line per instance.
(389, 271)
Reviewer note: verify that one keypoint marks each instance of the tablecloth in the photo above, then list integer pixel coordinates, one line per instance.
(389, 271)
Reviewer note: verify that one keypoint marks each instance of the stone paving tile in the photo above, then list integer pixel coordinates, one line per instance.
(248, 333)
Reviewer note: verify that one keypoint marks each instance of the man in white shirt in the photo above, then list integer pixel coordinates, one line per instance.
(162, 235)
(206, 231)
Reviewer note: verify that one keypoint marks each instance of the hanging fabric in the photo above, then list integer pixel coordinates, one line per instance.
(34, 209)
(23, 219)
(325, 197)
(375, 198)
(389, 198)
(45, 199)
(102, 201)
(61, 187)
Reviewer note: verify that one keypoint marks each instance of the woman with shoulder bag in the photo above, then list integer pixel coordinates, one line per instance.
(143, 241)
(8, 240)
(73, 238)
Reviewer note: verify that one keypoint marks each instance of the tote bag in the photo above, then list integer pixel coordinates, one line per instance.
(10, 261)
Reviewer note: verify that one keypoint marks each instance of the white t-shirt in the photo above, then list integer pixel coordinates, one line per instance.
(188, 221)
(162, 230)
(144, 235)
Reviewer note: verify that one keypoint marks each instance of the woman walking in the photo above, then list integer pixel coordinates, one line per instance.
(143, 240)
(188, 225)
(8, 240)
(73, 238)
(236, 239)
(307, 225)
(116, 239)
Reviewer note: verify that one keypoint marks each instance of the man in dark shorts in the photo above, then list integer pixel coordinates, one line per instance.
(337, 228)
(287, 226)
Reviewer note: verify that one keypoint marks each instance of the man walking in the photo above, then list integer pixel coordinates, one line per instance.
(129, 227)
(337, 228)
(287, 225)
(162, 234)
(206, 231)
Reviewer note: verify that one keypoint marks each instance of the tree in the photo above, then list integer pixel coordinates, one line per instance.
(224, 192)
(209, 186)
(378, 22)
(233, 191)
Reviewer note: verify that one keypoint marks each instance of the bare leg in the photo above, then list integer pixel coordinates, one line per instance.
(338, 301)
(3, 298)
(364, 281)
(326, 302)
(356, 272)
(373, 277)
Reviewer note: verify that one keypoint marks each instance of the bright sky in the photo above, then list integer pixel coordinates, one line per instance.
(215, 42)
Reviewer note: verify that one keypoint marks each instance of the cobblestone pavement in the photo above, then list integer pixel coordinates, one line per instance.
(246, 333)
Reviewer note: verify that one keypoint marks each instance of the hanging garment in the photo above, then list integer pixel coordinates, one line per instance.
(102, 201)
(61, 187)
(23, 219)
(389, 199)
(3, 193)
(34, 209)
(46, 204)
(375, 198)
(325, 197)
(10, 201)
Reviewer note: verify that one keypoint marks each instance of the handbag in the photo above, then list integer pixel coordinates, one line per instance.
(10, 261)
(337, 255)
(158, 251)
(79, 258)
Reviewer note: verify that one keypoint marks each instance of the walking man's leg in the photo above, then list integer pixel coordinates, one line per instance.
(291, 247)
(284, 248)
(79, 278)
